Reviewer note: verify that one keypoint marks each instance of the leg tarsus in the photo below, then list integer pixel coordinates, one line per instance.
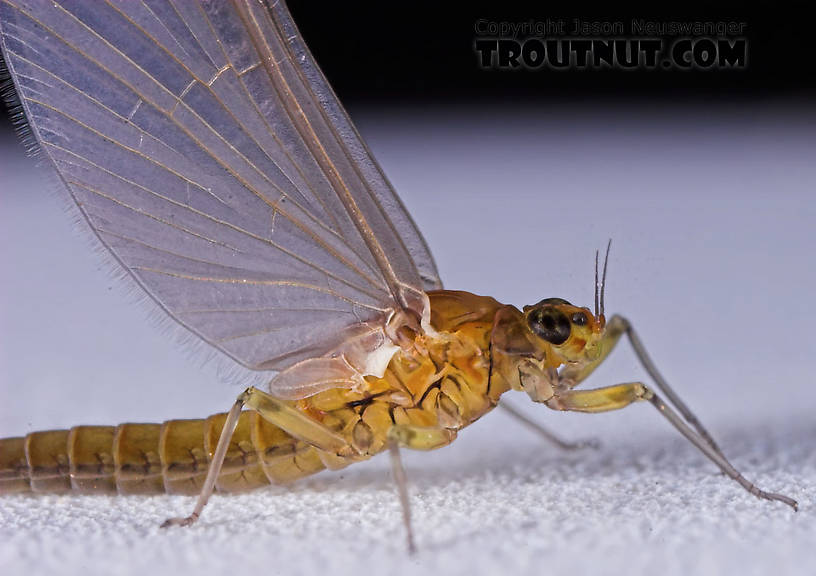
(189, 520)
(715, 455)
(546, 434)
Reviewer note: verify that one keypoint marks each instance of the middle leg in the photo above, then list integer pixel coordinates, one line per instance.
(544, 432)
(414, 438)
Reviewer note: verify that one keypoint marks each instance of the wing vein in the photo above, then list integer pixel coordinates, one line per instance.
(329, 169)
(230, 169)
(208, 85)
(213, 219)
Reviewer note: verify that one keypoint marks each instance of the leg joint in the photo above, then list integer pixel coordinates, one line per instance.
(420, 437)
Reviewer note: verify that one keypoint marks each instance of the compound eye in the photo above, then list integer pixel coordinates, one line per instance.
(552, 326)
(579, 319)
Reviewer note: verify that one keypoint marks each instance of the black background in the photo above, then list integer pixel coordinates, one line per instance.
(421, 54)
(424, 53)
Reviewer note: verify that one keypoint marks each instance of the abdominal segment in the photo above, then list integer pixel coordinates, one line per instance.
(172, 457)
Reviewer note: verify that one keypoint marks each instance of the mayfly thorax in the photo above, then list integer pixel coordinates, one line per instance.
(206, 151)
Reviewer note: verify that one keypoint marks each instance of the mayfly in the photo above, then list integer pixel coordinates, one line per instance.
(207, 152)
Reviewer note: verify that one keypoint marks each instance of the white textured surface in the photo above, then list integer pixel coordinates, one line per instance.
(714, 221)
(641, 505)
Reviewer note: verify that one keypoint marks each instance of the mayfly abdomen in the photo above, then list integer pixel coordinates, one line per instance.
(450, 388)
(172, 457)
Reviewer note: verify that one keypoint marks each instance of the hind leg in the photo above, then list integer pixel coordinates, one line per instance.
(279, 413)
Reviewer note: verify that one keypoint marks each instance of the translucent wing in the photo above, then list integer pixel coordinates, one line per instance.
(208, 153)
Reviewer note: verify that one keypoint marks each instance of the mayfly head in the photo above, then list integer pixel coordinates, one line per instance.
(571, 331)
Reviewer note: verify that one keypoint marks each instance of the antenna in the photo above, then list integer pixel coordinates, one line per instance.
(603, 278)
(597, 287)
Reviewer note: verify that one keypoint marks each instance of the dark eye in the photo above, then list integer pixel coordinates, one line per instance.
(550, 325)
(579, 319)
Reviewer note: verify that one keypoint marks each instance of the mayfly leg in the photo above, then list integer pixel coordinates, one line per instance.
(398, 472)
(615, 328)
(277, 412)
(622, 395)
(313, 432)
(414, 438)
(544, 432)
(651, 369)
(215, 465)
(715, 455)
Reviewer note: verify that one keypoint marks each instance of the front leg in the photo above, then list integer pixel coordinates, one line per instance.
(621, 395)
(600, 400)
(615, 328)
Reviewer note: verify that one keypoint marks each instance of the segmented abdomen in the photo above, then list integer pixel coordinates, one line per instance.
(152, 458)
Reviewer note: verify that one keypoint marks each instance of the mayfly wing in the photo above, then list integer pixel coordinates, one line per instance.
(206, 150)
(371, 173)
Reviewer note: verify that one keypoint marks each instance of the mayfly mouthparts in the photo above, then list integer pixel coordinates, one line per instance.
(206, 151)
